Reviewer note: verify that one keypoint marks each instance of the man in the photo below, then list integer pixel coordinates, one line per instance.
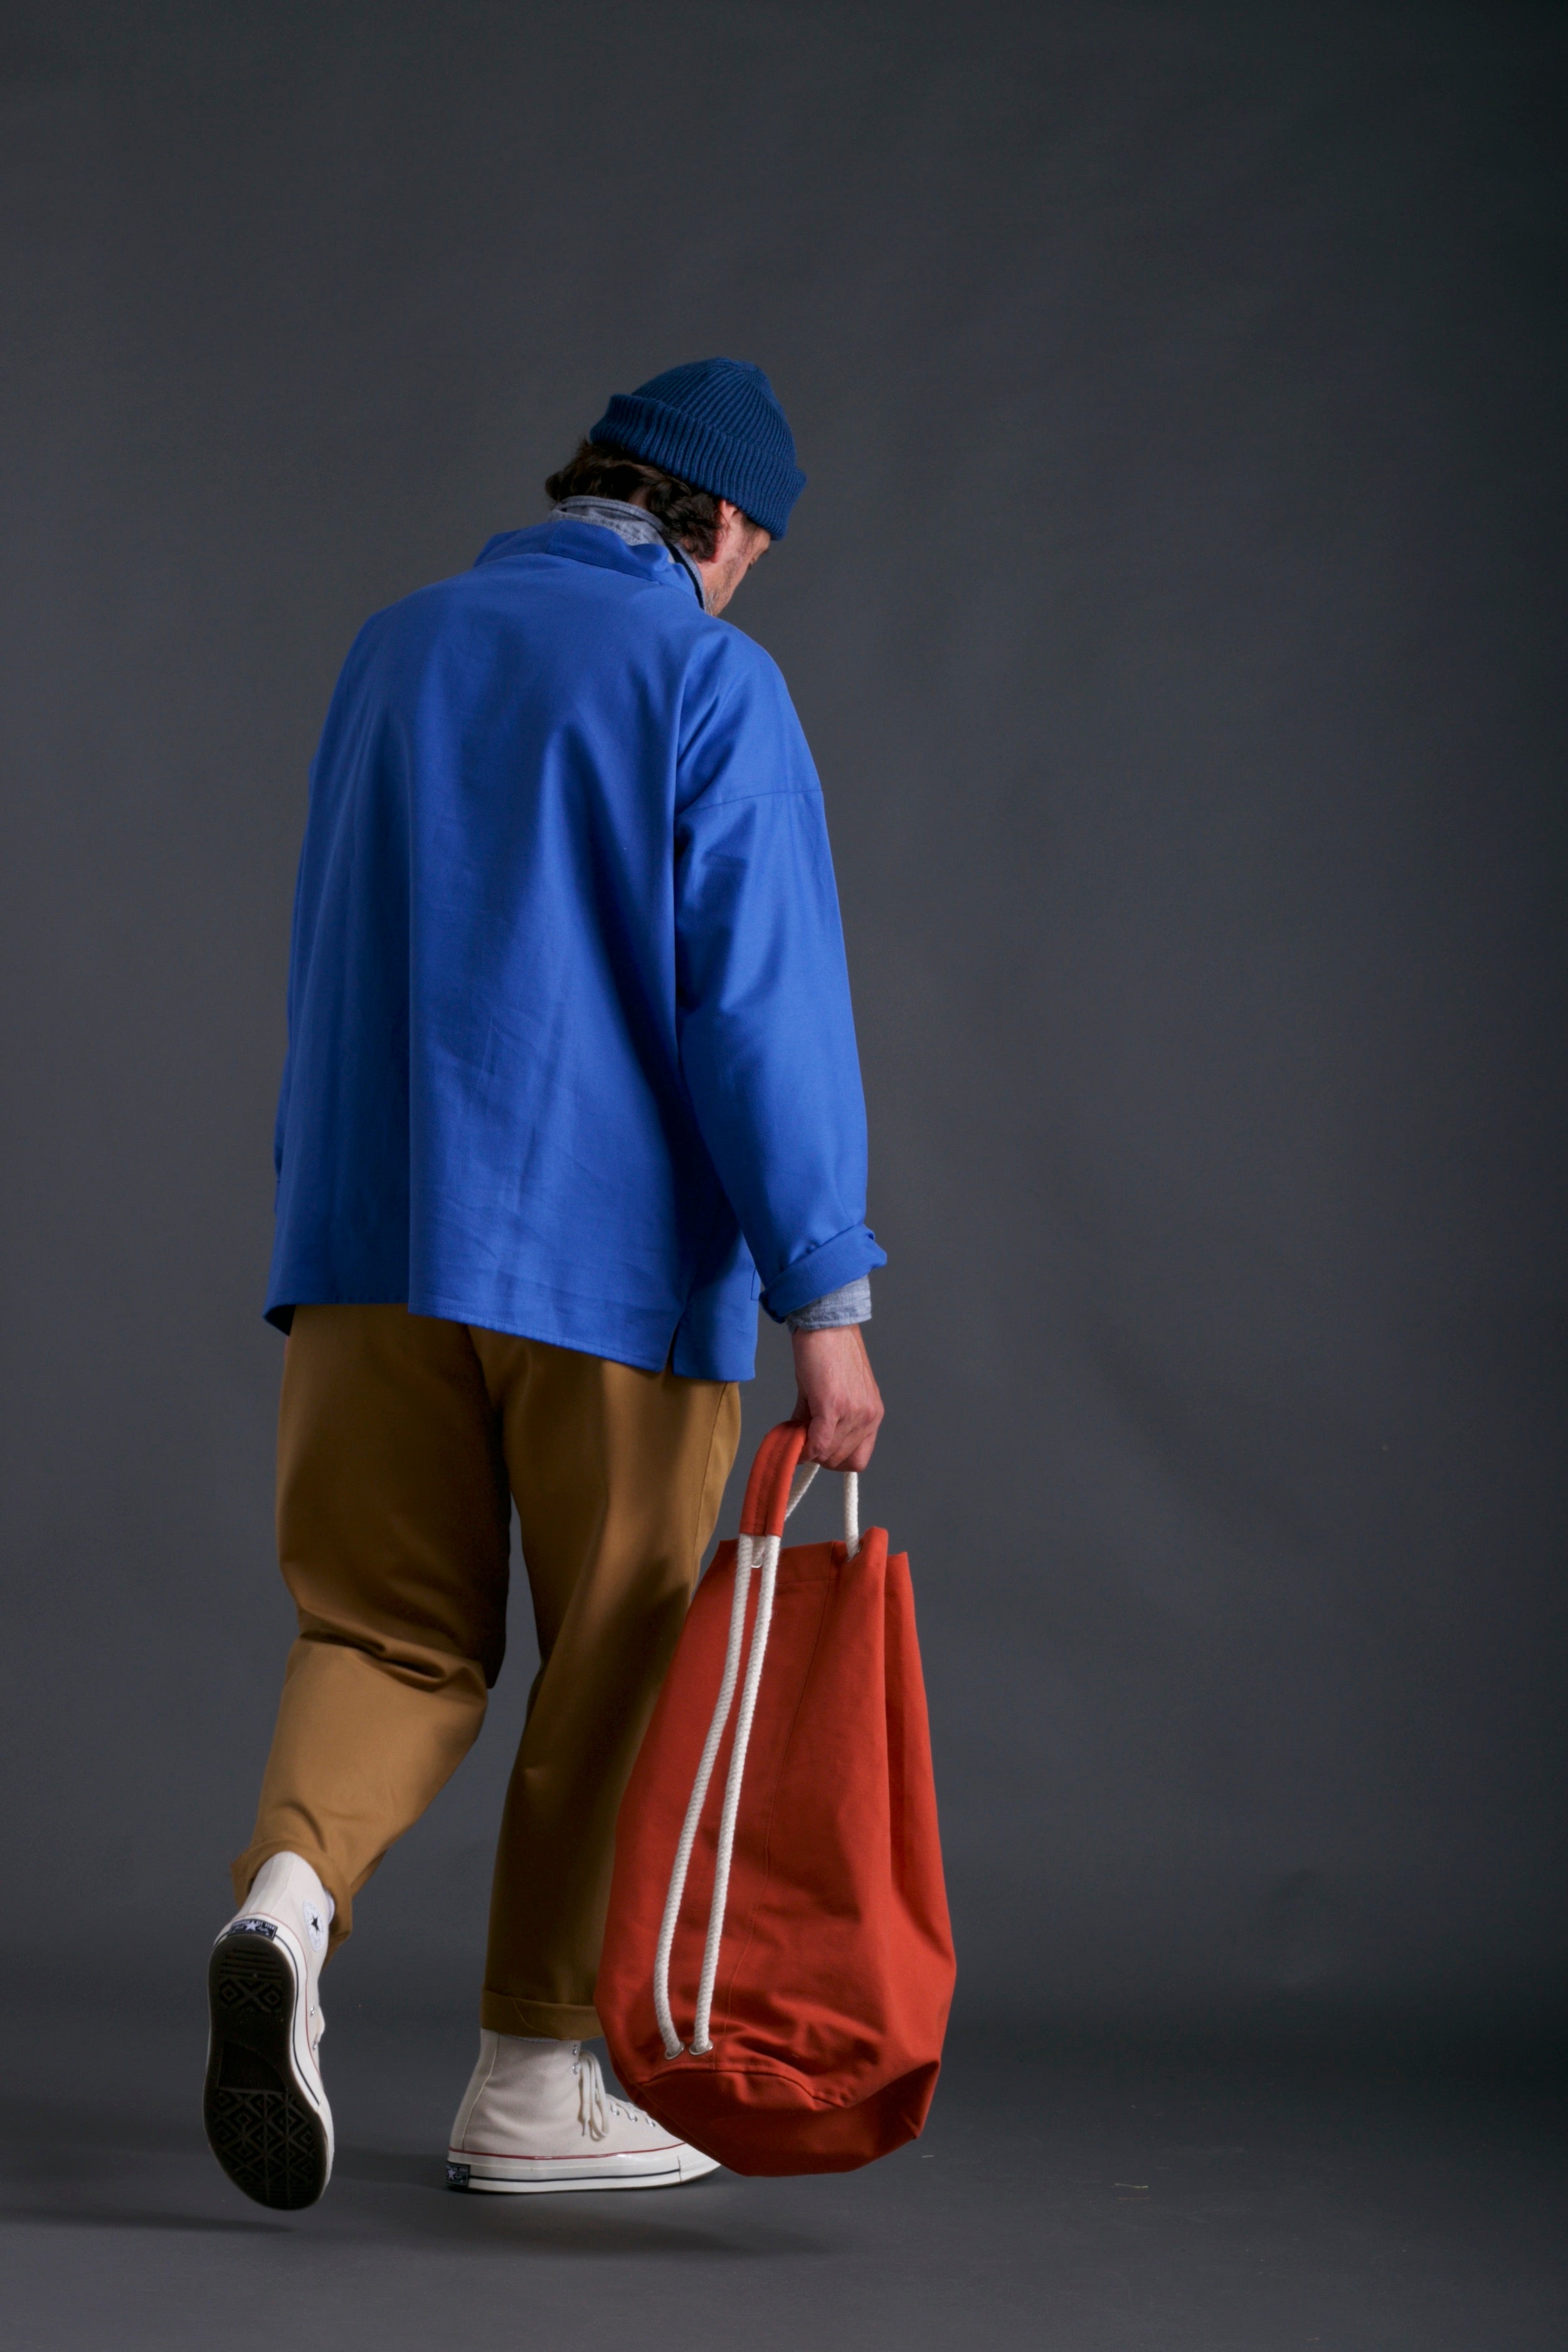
(571, 1083)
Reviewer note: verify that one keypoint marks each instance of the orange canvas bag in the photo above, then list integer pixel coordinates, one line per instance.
(778, 1962)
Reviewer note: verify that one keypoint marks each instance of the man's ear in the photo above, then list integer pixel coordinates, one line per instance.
(732, 518)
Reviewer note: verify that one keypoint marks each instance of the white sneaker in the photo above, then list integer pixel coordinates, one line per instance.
(266, 2112)
(536, 2116)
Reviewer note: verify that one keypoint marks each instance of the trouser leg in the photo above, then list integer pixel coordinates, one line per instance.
(393, 1532)
(617, 1475)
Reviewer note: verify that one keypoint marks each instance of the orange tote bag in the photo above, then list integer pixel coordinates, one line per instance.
(778, 1963)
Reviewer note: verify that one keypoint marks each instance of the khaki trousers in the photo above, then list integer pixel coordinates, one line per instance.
(400, 1439)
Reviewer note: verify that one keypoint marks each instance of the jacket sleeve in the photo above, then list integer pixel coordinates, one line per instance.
(767, 1037)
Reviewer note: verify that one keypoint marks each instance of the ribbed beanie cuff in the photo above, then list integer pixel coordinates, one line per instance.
(716, 425)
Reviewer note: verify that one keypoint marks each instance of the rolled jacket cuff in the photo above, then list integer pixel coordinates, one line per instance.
(829, 1267)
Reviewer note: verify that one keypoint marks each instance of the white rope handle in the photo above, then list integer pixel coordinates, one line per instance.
(753, 1555)
(768, 1549)
(673, 2044)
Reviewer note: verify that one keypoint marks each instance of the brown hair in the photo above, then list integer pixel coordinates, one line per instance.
(601, 471)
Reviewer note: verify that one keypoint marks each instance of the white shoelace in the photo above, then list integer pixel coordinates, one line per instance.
(594, 2103)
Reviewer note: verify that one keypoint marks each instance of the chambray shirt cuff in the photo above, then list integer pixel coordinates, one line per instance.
(851, 1303)
(843, 1259)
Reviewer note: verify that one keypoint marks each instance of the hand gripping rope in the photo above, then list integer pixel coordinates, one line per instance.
(756, 1555)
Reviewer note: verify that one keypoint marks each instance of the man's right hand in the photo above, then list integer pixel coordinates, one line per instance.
(838, 1398)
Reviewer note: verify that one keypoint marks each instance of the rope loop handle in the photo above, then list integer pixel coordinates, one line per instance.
(779, 1479)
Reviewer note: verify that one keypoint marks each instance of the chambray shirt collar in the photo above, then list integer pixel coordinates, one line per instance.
(635, 525)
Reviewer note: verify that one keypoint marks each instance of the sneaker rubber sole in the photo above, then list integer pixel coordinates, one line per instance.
(263, 2123)
(522, 2176)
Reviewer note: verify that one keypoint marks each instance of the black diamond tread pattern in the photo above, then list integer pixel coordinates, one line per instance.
(263, 2131)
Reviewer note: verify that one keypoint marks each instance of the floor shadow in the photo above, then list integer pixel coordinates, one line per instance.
(507, 2224)
(702, 2217)
(418, 2171)
(65, 2165)
(113, 2217)
(29, 2124)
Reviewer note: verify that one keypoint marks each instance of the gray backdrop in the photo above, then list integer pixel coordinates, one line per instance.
(1175, 614)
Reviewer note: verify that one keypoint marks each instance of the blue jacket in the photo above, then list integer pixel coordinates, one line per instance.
(570, 1046)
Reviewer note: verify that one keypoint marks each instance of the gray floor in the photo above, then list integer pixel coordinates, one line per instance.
(1101, 2199)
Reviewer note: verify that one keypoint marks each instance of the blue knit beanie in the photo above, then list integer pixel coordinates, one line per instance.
(716, 425)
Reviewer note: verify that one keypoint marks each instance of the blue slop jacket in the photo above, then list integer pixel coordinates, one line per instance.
(570, 1045)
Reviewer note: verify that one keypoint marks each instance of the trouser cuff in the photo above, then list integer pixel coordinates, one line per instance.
(556, 2020)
